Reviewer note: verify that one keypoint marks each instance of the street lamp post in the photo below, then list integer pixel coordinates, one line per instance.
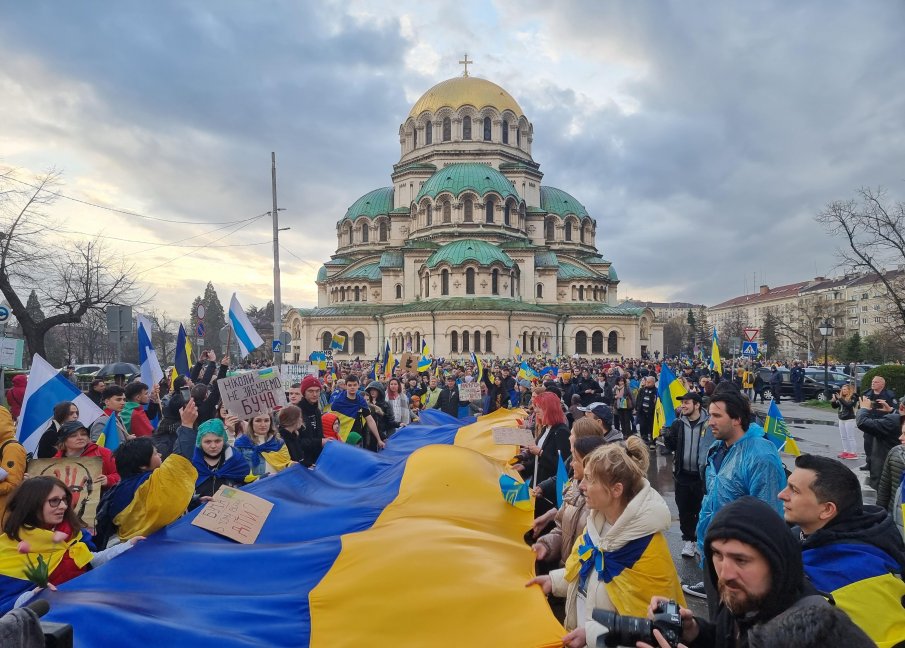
(826, 330)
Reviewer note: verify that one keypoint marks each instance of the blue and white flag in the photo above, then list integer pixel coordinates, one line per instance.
(46, 387)
(245, 333)
(151, 373)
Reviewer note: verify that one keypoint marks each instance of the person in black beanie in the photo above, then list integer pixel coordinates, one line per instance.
(756, 566)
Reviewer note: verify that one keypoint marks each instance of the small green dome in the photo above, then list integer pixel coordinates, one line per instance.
(373, 204)
(613, 275)
(322, 274)
(456, 178)
(460, 252)
(557, 201)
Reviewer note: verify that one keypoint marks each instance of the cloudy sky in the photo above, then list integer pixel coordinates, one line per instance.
(703, 141)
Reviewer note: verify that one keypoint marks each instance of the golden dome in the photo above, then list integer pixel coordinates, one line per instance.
(465, 91)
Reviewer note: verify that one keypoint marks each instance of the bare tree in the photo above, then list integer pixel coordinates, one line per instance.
(676, 333)
(164, 334)
(873, 230)
(799, 323)
(72, 277)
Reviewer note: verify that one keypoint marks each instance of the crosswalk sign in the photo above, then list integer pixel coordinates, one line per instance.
(749, 349)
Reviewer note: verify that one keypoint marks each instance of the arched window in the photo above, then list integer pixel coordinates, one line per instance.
(477, 341)
(507, 209)
(429, 215)
(612, 342)
(444, 282)
(345, 348)
(429, 133)
(398, 291)
(488, 210)
(326, 339)
(342, 294)
(524, 341)
(469, 281)
(505, 131)
(581, 293)
(357, 294)
(495, 282)
(539, 293)
(427, 285)
(518, 138)
(447, 129)
(581, 342)
(597, 342)
(358, 343)
(364, 232)
(581, 235)
(568, 230)
(415, 137)
(364, 293)
(469, 211)
(488, 342)
(512, 285)
(487, 130)
(383, 231)
(454, 341)
(417, 342)
(466, 341)
(447, 212)
(551, 229)
(349, 234)
(466, 128)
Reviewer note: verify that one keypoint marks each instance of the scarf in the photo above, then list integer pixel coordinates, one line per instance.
(232, 467)
(272, 445)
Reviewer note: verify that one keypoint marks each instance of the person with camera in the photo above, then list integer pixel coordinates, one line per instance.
(882, 402)
(623, 558)
(757, 569)
(882, 423)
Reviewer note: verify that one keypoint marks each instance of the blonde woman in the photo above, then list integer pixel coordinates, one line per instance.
(845, 402)
(622, 559)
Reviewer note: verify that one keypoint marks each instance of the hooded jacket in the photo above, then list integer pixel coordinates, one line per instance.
(858, 559)
(136, 419)
(570, 522)
(690, 441)
(13, 460)
(620, 566)
(15, 395)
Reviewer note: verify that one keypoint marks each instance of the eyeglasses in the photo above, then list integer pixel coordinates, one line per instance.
(56, 501)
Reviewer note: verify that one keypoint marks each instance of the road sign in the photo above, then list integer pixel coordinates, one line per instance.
(277, 346)
(200, 311)
(285, 338)
(4, 313)
(751, 334)
(201, 342)
(733, 345)
(749, 349)
(199, 330)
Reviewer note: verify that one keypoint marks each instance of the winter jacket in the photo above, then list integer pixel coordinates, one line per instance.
(846, 408)
(312, 435)
(383, 415)
(889, 492)
(636, 547)
(859, 558)
(569, 523)
(431, 398)
(885, 430)
(13, 460)
(585, 384)
(136, 420)
(751, 466)
(15, 395)
(628, 403)
(556, 443)
(646, 401)
(399, 407)
(108, 464)
(690, 442)
(449, 402)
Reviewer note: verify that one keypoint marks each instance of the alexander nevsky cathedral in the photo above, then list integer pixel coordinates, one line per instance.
(469, 249)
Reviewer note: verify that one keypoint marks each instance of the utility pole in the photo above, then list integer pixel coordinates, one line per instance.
(277, 301)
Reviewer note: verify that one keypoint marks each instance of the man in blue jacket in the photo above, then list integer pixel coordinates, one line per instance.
(740, 462)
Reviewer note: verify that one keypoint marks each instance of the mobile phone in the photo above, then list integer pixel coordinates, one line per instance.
(186, 394)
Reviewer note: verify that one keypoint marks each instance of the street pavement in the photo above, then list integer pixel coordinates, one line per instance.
(815, 430)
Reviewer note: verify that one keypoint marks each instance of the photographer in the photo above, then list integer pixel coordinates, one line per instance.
(883, 425)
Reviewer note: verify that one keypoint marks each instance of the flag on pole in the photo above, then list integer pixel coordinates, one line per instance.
(561, 478)
(109, 438)
(151, 373)
(517, 351)
(183, 360)
(246, 335)
(476, 361)
(338, 342)
(45, 388)
(389, 360)
(778, 432)
(715, 363)
(669, 388)
(424, 363)
(526, 372)
(318, 359)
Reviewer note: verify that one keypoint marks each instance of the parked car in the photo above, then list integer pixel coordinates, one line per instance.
(812, 388)
(836, 378)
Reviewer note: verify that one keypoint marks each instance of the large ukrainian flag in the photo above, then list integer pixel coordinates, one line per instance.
(669, 388)
(413, 546)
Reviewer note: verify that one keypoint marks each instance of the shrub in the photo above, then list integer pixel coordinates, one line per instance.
(895, 378)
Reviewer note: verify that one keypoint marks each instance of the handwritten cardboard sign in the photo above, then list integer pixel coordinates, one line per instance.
(234, 514)
(250, 394)
(512, 436)
(80, 475)
(470, 391)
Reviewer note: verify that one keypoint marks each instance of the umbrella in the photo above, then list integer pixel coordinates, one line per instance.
(118, 369)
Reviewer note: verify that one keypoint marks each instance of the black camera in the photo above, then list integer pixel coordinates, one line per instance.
(627, 631)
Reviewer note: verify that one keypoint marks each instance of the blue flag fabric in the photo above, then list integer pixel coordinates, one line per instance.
(561, 478)
(111, 434)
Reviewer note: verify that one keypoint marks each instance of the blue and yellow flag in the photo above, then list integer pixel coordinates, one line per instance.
(517, 351)
(183, 361)
(338, 342)
(318, 359)
(516, 493)
(715, 363)
(424, 362)
(109, 438)
(562, 477)
(526, 372)
(313, 566)
(476, 361)
(778, 432)
(669, 388)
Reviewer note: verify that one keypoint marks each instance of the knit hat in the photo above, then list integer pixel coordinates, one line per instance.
(308, 382)
(752, 521)
(68, 429)
(212, 426)
(327, 421)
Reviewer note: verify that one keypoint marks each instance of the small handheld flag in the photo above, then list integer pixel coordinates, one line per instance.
(183, 360)
(561, 478)
(778, 431)
(109, 438)
(338, 342)
(246, 335)
(516, 493)
(424, 363)
(715, 363)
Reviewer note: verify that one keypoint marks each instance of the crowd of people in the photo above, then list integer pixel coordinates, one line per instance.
(781, 553)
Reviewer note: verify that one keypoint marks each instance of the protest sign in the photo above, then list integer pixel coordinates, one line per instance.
(409, 361)
(80, 475)
(470, 391)
(249, 394)
(512, 436)
(234, 514)
(295, 373)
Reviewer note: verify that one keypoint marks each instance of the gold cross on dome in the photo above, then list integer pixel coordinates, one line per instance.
(465, 63)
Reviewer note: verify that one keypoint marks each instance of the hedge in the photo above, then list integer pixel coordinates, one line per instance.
(894, 375)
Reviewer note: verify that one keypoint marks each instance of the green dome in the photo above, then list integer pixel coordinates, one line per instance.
(456, 178)
(373, 204)
(459, 252)
(557, 201)
(322, 274)
(613, 275)
(368, 271)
